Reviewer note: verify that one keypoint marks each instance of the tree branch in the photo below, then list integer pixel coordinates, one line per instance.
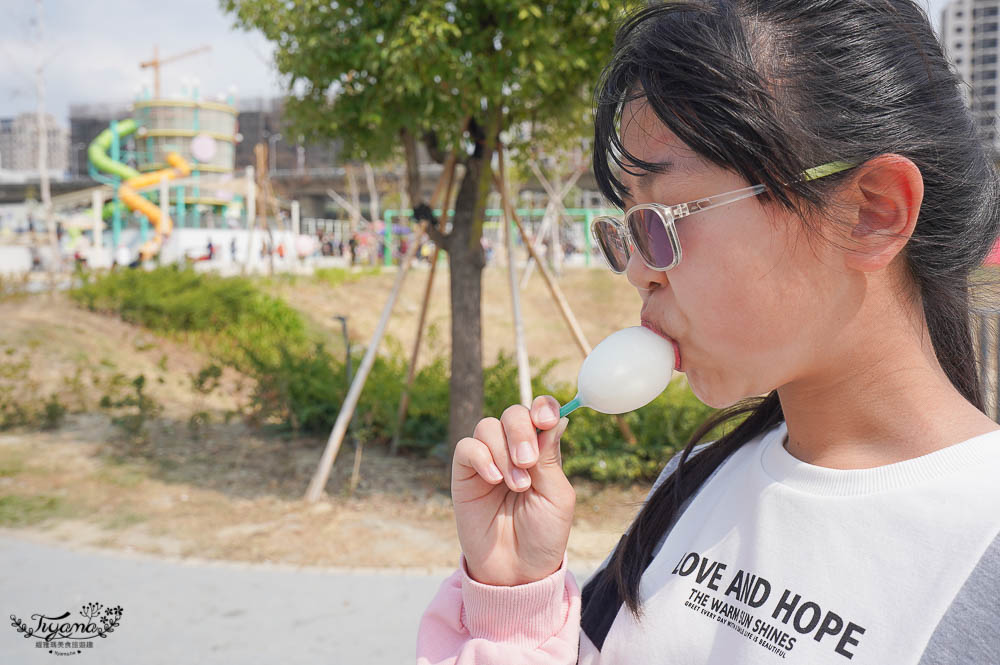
(434, 148)
(423, 213)
(478, 135)
(412, 165)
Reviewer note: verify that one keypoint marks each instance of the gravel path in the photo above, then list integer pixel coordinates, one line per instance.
(185, 611)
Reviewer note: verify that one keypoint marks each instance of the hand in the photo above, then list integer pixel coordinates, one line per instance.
(513, 512)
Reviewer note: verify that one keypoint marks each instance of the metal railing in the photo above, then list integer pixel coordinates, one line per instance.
(986, 341)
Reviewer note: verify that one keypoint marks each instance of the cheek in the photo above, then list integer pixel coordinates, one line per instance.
(742, 293)
(727, 278)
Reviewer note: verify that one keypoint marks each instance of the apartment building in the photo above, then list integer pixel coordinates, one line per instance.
(970, 30)
(19, 144)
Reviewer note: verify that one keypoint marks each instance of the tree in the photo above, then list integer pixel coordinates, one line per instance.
(455, 75)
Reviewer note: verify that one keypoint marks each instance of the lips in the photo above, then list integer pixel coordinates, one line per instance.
(646, 323)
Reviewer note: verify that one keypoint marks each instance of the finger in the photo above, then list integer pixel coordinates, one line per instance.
(549, 446)
(547, 477)
(473, 457)
(491, 432)
(521, 435)
(545, 412)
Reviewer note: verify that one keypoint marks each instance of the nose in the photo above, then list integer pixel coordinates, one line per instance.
(641, 276)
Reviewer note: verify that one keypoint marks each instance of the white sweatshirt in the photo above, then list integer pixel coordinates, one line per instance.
(774, 561)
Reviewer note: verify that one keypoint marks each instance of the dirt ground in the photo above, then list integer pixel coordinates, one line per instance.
(222, 490)
(237, 496)
(601, 301)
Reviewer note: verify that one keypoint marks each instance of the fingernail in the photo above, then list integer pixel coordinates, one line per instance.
(546, 414)
(525, 453)
(520, 477)
(493, 474)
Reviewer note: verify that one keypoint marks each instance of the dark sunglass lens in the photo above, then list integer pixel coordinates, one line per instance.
(650, 236)
(612, 244)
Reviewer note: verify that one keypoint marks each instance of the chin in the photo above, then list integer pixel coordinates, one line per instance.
(717, 396)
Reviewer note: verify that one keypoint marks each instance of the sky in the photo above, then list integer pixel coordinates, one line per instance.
(92, 50)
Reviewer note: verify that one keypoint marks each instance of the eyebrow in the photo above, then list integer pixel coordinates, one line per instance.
(644, 179)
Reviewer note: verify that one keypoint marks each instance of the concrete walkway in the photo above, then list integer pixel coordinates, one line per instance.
(209, 612)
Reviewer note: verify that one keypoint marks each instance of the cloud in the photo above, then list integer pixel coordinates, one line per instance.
(93, 50)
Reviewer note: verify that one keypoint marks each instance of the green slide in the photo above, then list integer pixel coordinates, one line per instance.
(98, 151)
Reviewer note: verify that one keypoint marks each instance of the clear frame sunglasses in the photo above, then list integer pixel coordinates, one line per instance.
(649, 227)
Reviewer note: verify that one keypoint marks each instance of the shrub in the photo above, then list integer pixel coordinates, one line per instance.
(300, 386)
(22, 403)
(53, 413)
(594, 447)
(227, 315)
(130, 409)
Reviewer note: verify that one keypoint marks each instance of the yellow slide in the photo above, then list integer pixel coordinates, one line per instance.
(130, 197)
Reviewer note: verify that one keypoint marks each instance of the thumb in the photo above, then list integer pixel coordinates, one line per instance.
(549, 449)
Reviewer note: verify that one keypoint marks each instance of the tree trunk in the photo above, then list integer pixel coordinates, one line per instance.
(465, 262)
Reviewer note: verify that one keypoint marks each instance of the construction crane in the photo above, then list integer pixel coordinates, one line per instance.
(157, 61)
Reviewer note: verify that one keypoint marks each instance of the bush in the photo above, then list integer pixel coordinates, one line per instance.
(594, 447)
(306, 393)
(229, 316)
(52, 414)
(130, 407)
(22, 403)
(300, 386)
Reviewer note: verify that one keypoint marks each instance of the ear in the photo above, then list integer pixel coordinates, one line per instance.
(887, 191)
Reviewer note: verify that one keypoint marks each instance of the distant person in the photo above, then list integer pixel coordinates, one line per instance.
(353, 245)
(232, 249)
(123, 256)
(211, 251)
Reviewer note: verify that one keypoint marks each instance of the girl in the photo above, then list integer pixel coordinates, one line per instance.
(805, 197)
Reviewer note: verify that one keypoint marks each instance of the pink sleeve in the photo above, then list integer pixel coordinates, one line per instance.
(469, 623)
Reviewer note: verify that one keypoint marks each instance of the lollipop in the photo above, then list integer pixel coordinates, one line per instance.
(626, 371)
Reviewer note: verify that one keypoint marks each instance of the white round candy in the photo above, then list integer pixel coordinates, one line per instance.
(626, 371)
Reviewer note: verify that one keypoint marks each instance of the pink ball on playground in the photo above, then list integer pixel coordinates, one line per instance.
(305, 245)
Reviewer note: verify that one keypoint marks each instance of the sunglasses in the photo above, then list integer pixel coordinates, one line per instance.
(650, 227)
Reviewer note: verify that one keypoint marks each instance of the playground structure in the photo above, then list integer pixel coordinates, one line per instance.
(133, 182)
(167, 175)
(167, 191)
(170, 141)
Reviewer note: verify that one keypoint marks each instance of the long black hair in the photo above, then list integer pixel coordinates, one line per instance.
(768, 89)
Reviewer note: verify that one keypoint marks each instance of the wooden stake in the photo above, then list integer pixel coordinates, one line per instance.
(404, 399)
(523, 368)
(554, 211)
(373, 206)
(356, 472)
(352, 188)
(318, 482)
